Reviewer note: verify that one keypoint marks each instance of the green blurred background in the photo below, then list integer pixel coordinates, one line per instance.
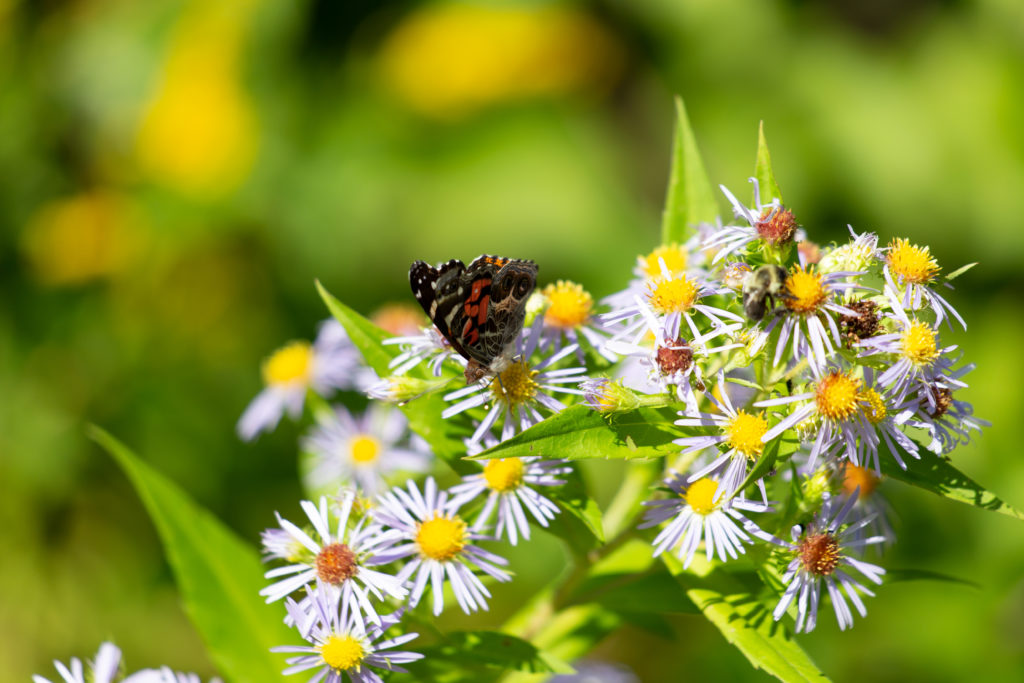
(175, 175)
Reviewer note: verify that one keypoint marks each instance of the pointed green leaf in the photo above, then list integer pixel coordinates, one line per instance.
(896, 575)
(763, 171)
(219, 575)
(960, 271)
(579, 433)
(934, 473)
(690, 199)
(489, 649)
(444, 436)
(744, 621)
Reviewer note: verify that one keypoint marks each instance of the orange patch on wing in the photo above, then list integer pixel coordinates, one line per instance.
(482, 317)
(470, 334)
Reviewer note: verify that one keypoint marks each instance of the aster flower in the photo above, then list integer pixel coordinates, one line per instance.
(914, 346)
(911, 269)
(340, 562)
(429, 345)
(672, 258)
(669, 298)
(863, 483)
(696, 515)
(364, 448)
(771, 223)
(671, 361)
(511, 485)
(103, 669)
(808, 305)
(570, 315)
(440, 545)
(850, 419)
(933, 407)
(739, 431)
(861, 253)
(330, 363)
(519, 392)
(341, 645)
(885, 414)
(821, 556)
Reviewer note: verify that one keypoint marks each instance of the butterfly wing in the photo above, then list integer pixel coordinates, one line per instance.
(439, 292)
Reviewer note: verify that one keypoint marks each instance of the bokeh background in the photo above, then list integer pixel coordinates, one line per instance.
(174, 176)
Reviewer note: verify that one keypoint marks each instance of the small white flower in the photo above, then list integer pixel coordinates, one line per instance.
(102, 670)
(820, 557)
(510, 485)
(440, 545)
(341, 561)
(341, 644)
(696, 516)
(330, 363)
(365, 449)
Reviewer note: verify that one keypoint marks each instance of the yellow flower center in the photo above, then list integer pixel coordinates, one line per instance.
(918, 343)
(569, 304)
(859, 477)
(672, 295)
(363, 449)
(872, 405)
(819, 554)
(515, 385)
(674, 256)
(290, 364)
(700, 496)
(836, 396)
(441, 538)
(342, 653)
(806, 291)
(910, 262)
(504, 475)
(745, 432)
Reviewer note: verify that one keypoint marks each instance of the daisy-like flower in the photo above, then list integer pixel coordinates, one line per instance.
(914, 346)
(340, 562)
(821, 556)
(365, 449)
(771, 223)
(859, 254)
(669, 298)
(511, 485)
(570, 315)
(845, 415)
(739, 431)
(429, 345)
(912, 270)
(697, 515)
(341, 645)
(948, 420)
(330, 363)
(519, 392)
(809, 304)
(885, 414)
(102, 670)
(440, 544)
(672, 361)
(672, 258)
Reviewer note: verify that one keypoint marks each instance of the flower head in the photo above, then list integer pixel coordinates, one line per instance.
(341, 644)
(821, 556)
(364, 449)
(440, 544)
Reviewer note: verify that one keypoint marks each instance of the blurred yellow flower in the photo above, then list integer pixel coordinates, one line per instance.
(199, 132)
(77, 239)
(448, 60)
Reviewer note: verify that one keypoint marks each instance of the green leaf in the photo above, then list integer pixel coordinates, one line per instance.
(585, 530)
(219, 575)
(490, 649)
(896, 575)
(445, 437)
(579, 433)
(744, 621)
(690, 199)
(366, 336)
(933, 473)
(960, 271)
(778, 448)
(763, 171)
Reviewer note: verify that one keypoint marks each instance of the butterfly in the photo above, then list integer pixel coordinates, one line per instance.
(479, 309)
